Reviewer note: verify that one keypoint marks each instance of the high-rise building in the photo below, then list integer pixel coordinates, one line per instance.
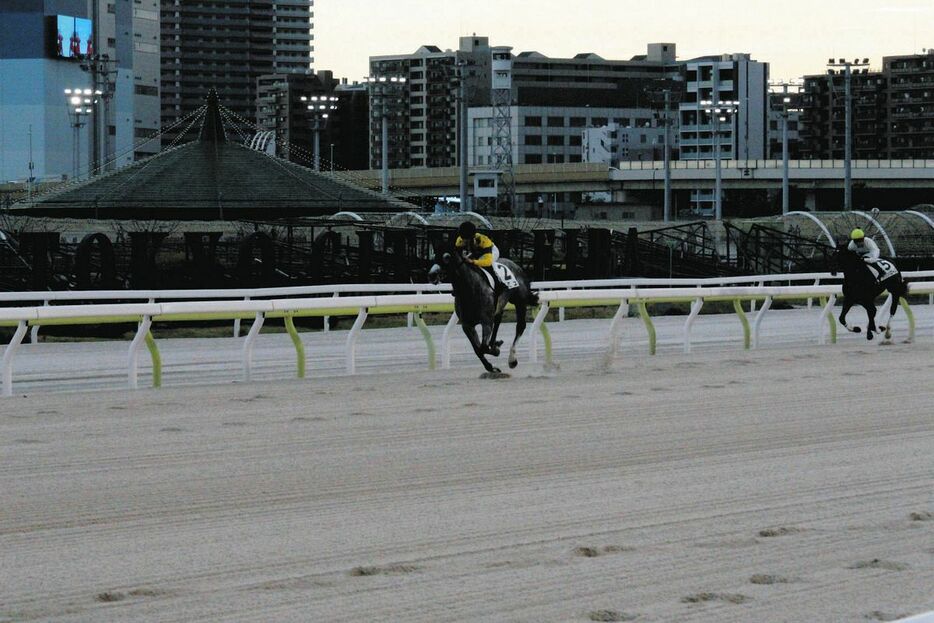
(128, 74)
(777, 106)
(227, 45)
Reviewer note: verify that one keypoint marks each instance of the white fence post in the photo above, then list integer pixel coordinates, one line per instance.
(536, 327)
(621, 312)
(248, 346)
(352, 340)
(34, 332)
(8, 355)
(689, 323)
(133, 359)
(236, 331)
(758, 322)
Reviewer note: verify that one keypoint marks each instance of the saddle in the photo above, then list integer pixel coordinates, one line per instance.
(882, 269)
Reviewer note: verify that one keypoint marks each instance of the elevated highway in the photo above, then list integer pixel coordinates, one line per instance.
(685, 175)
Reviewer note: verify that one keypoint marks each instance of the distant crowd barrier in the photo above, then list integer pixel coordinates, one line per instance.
(414, 300)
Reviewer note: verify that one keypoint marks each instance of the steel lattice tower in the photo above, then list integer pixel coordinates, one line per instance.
(501, 96)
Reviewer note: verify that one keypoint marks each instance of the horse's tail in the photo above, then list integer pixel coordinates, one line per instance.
(532, 299)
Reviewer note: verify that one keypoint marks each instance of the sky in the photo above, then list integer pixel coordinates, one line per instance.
(795, 36)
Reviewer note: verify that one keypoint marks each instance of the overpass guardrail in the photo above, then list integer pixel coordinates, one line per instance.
(414, 300)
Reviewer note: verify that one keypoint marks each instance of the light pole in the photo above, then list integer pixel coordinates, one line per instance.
(79, 107)
(721, 111)
(383, 87)
(321, 107)
(332, 158)
(667, 97)
(786, 113)
(103, 75)
(847, 69)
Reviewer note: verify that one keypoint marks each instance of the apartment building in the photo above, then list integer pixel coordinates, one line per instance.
(227, 45)
(777, 106)
(418, 94)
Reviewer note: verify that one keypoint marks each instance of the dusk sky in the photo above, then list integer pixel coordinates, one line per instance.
(795, 36)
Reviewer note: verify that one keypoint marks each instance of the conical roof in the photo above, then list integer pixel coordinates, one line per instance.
(208, 179)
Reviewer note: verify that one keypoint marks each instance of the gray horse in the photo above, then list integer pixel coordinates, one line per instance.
(477, 304)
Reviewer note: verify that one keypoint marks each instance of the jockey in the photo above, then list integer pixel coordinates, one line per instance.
(863, 246)
(481, 251)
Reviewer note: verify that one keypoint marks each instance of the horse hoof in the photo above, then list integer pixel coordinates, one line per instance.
(908, 341)
(498, 343)
(513, 363)
(493, 351)
(857, 329)
(494, 374)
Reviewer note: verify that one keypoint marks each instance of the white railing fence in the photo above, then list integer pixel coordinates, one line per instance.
(361, 301)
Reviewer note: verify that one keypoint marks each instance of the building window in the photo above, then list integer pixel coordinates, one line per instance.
(533, 159)
(599, 122)
(556, 140)
(575, 140)
(555, 122)
(533, 139)
(578, 122)
(533, 122)
(575, 158)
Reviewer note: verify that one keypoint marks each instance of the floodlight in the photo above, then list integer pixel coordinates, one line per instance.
(866, 61)
(75, 100)
(77, 111)
(87, 91)
(787, 100)
(843, 61)
(303, 98)
(98, 92)
(324, 116)
(88, 111)
(722, 118)
(67, 91)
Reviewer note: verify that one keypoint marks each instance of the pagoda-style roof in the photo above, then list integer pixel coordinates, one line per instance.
(207, 179)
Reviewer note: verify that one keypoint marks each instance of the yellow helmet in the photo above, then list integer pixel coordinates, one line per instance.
(858, 234)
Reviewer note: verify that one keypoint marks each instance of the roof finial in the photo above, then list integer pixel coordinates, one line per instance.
(212, 128)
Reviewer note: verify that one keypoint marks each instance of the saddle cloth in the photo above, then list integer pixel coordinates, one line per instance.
(505, 276)
(882, 269)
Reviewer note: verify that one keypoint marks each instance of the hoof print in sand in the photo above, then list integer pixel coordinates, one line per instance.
(593, 552)
(730, 598)
(922, 516)
(359, 572)
(110, 596)
(781, 531)
(875, 563)
(610, 615)
(495, 376)
(768, 578)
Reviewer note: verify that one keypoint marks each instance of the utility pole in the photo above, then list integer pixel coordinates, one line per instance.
(847, 69)
(320, 108)
(32, 167)
(786, 115)
(667, 209)
(462, 133)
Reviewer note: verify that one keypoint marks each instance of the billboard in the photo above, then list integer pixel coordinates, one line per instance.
(73, 37)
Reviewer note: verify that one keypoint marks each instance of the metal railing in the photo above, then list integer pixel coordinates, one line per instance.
(362, 301)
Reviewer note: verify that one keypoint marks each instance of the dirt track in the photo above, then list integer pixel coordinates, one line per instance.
(779, 485)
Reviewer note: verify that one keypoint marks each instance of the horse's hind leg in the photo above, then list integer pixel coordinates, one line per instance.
(478, 346)
(494, 344)
(871, 328)
(520, 329)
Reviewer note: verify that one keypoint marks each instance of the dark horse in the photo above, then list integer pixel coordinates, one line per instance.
(862, 287)
(477, 304)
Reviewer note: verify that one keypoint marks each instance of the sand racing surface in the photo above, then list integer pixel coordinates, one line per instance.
(773, 485)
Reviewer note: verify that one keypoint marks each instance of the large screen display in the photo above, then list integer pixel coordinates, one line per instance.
(73, 37)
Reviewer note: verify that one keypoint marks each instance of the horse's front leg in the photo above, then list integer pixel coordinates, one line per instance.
(847, 306)
(478, 346)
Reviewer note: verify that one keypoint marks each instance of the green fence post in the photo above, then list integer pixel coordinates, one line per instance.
(156, 360)
(429, 342)
(738, 306)
(297, 342)
(649, 326)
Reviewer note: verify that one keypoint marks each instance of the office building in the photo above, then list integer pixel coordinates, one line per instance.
(777, 106)
(128, 76)
(227, 45)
